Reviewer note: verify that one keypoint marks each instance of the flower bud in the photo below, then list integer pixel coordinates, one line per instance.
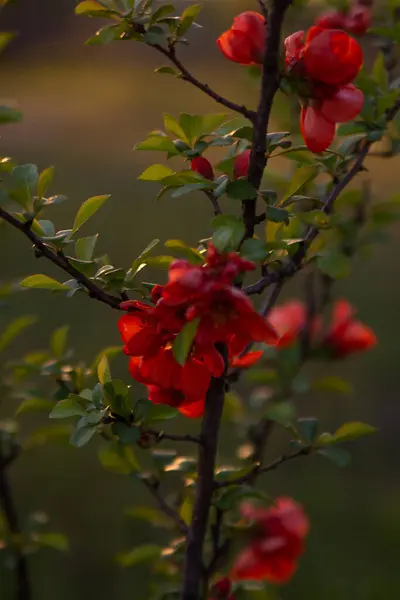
(241, 164)
(201, 165)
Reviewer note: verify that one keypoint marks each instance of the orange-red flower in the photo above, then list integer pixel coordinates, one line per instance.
(288, 320)
(202, 165)
(277, 542)
(328, 61)
(244, 42)
(356, 21)
(347, 335)
(241, 164)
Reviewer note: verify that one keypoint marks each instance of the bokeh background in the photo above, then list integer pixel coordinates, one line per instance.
(84, 109)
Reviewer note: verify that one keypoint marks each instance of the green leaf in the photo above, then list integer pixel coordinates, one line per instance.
(160, 412)
(59, 341)
(335, 264)
(281, 412)
(331, 383)
(184, 340)
(14, 329)
(156, 173)
(8, 114)
(87, 210)
(140, 554)
(43, 282)
(57, 541)
(338, 456)
(277, 215)
(161, 12)
(89, 7)
(187, 18)
(119, 459)
(172, 126)
(184, 250)
(186, 509)
(158, 143)
(103, 370)
(84, 247)
(380, 73)
(25, 178)
(190, 187)
(165, 70)
(352, 431)
(106, 35)
(300, 178)
(228, 232)
(45, 180)
(317, 218)
(151, 515)
(126, 433)
(307, 429)
(142, 256)
(70, 407)
(254, 250)
(34, 405)
(241, 189)
(82, 436)
(117, 393)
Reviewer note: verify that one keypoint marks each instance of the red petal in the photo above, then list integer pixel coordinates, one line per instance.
(331, 19)
(213, 361)
(146, 341)
(247, 360)
(258, 329)
(294, 45)
(288, 320)
(237, 46)
(193, 410)
(202, 166)
(129, 325)
(344, 106)
(316, 130)
(357, 337)
(332, 56)
(195, 379)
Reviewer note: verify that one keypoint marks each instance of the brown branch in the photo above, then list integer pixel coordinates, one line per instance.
(259, 469)
(22, 582)
(193, 565)
(269, 87)
(161, 435)
(204, 87)
(61, 261)
(164, 506)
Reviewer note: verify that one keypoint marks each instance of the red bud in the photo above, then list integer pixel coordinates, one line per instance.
(203, 166)
(241, 164)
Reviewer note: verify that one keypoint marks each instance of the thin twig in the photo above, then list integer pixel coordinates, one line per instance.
(164, 506)
(204, 87)
(22, 582)
(61, 261)
(269, 87)
(259, 469)
(214, 202)
(161, 435)
(193, 565)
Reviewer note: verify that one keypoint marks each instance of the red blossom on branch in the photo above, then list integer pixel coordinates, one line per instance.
(357, 20)
(347, 335)
(277, 542)
(202, 165)
(244, 42)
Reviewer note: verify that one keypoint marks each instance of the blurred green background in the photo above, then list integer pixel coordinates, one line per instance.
(84, 110)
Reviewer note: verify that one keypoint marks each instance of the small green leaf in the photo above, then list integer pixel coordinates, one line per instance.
(117, 393)
(160, 412)
(254, 250)
(184, 340)
(25, 178)
(140, 554)
(156, 173)
(119, 459)
(183, 249)
(307, 429)
(277, 215)
(82, 436)
(228, 232)
(89, 7)
(43, 282)
(335, 264)
(332, 383)
(352, 431)
(45, 180)
(186, 509)
(127, 434)
(172, 126)
(300, 178)
(158, 143)
(281, 412)
(59, 341)
(142, 256)
(241, 189)
(103, 370)
(70, 407)
(14, 329)
(87, 210)
(338, 456)
(84, 247)
(164, 70)
(8, 114)
(34, 405)
(317, 218)
(380, 73)
(57, 541)
(187, 18)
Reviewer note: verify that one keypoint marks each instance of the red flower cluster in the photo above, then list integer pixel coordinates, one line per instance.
(224, 313)
(345, 335)
(277, 543)
(221, 590)
(328, 60)
(356, 20)
(244, 42)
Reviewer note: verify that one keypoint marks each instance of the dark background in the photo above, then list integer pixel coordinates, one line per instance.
(84, 110)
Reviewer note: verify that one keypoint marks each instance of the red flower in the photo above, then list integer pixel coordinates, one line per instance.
(277, 543)
(244, 42)
(288, 320)
(247, 360)
(358, 20)
(347, 335)
(201, 165)
(328, 61)
(332, 19)
(241, 164)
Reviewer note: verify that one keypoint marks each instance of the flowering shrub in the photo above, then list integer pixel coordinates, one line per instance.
(216, 313)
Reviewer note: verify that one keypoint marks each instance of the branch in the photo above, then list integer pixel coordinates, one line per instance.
(22, 583)
(204, 87)
(164, 506)
(61, 261)
(258, 469)
(205, 486)
(269, 87)
(161, 435)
